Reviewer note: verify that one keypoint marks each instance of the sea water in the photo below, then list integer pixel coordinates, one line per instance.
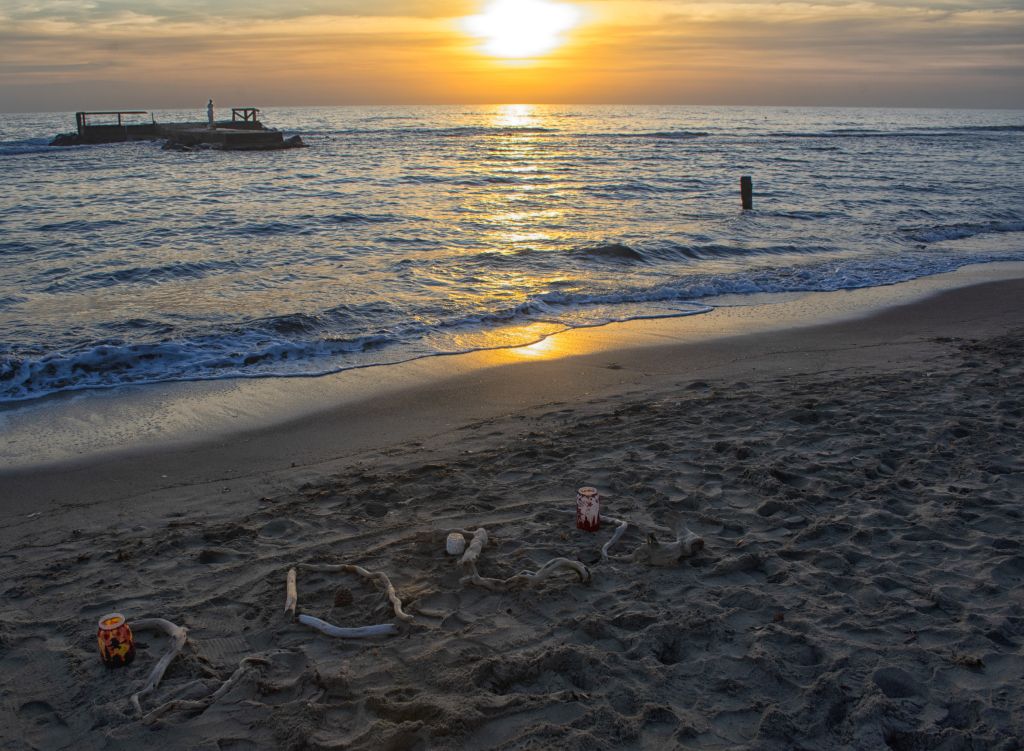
(406, 232)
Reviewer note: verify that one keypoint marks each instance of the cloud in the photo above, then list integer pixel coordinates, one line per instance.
(956, 52)
(200, 11)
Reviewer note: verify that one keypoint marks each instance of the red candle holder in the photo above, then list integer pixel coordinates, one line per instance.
(117, 646)
(588, 510)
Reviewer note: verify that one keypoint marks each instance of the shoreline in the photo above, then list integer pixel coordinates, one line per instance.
(857, 486)
(198, 433)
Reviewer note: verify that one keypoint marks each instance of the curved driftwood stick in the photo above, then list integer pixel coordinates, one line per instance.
(389, 589)
(431, 612)
(291, 599)
(527, 578)
(523, 578)
(364, 632)
(619, 532)
(201, 704)
(656, 553)
(178, 636)
(621, 526)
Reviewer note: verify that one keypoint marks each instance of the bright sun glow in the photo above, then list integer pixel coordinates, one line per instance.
(523, 28)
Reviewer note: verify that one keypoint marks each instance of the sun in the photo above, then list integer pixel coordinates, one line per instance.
(517, 29)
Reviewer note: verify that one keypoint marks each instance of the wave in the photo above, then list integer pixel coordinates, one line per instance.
(298, 345)
(355, 218)
(614, 190)
(80, 225)
(670, 135)
(612, 252)
(28, 146)
(941, 131)
(385, 118)
(465, 181)
(306, 224)
(942, 232)
(116, 364)
(653, 253)
(269, 228)
(681, 135)
(453, 132)
(988, 128)
(13, 247)
(7, 301)
(141, 276)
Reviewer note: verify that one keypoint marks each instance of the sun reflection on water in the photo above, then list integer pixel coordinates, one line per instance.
(516, 116)
(517, 219)
(517, 214)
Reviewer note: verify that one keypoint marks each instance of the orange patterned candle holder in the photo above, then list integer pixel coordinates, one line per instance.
(117, 647)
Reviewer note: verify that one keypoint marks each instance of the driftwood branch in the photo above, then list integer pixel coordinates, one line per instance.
(430, 612)
(621, 525)
(620, 530)
(178, 636)
(523, 578)
(527, 578)
(199, 705)
(475, 547)
(363, 632)
(389, 589)
(291, 600)
(655, 553)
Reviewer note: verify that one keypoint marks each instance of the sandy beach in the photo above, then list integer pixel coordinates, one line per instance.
(857, 486)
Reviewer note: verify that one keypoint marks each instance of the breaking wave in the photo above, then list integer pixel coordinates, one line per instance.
(299, 345)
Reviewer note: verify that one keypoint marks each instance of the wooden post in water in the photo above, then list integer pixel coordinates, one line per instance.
(747, 192)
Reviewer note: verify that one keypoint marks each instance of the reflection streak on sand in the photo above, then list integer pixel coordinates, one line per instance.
(545, 348)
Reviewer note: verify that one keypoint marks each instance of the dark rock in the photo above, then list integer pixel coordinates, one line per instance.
(66, 139)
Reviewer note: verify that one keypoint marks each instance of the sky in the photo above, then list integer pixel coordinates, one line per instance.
(66, 55)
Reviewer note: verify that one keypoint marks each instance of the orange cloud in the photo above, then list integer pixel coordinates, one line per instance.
(56, 54)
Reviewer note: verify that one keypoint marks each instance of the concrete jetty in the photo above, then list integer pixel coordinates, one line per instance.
(244, 132)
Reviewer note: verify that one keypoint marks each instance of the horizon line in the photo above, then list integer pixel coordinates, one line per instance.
(547, 104)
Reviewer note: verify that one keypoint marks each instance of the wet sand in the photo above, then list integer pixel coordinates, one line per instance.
(857, 486)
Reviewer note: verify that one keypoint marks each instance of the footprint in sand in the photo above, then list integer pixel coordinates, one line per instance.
(280, 528)
(45, 728)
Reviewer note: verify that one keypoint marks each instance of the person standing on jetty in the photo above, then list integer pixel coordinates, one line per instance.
(209, 113)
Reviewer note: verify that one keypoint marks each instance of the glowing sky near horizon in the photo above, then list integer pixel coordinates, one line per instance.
(65, 55)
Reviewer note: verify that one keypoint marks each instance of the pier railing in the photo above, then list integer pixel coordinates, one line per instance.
(82, 119)
(245, 115)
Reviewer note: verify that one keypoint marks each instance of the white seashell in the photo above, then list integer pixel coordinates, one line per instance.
(456, 544)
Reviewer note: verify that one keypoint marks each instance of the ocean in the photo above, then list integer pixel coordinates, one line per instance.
(407, 232)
